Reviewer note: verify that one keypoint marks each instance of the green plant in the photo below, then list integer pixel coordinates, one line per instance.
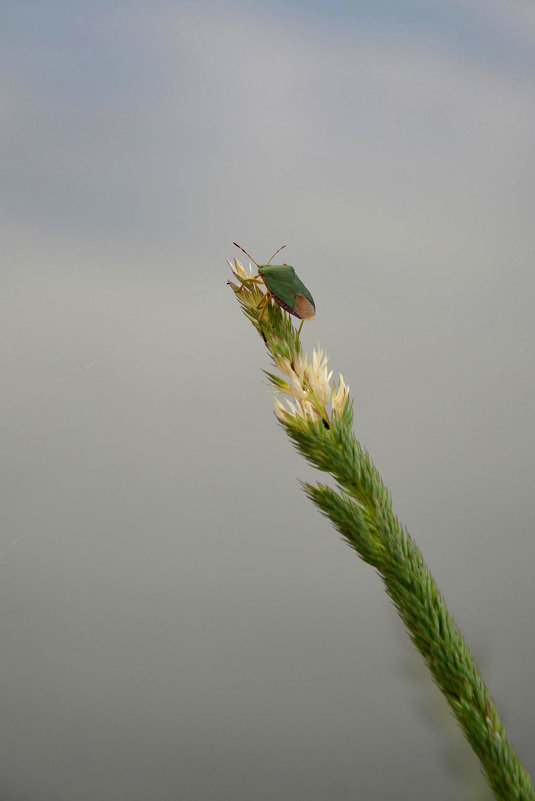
(317, 415)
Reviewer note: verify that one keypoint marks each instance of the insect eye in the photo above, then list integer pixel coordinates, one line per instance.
(284, 265)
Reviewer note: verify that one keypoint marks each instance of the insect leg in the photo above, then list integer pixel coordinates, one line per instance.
(265, 303)
(255, 279)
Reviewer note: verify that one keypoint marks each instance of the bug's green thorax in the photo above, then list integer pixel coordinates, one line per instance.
(288, 290)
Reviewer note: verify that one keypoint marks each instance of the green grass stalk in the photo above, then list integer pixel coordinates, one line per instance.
(317, 415)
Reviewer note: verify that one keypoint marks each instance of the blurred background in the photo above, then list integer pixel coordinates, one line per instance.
(176, 619)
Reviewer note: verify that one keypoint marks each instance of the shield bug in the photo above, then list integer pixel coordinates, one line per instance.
(284, 286)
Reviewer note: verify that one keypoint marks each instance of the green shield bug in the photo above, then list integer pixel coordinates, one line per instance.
(284, 286)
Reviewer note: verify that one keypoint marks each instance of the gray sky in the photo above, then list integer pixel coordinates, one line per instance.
(177, 620)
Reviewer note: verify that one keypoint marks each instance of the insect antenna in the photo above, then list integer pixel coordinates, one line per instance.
(248, 254)
(277, 251)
